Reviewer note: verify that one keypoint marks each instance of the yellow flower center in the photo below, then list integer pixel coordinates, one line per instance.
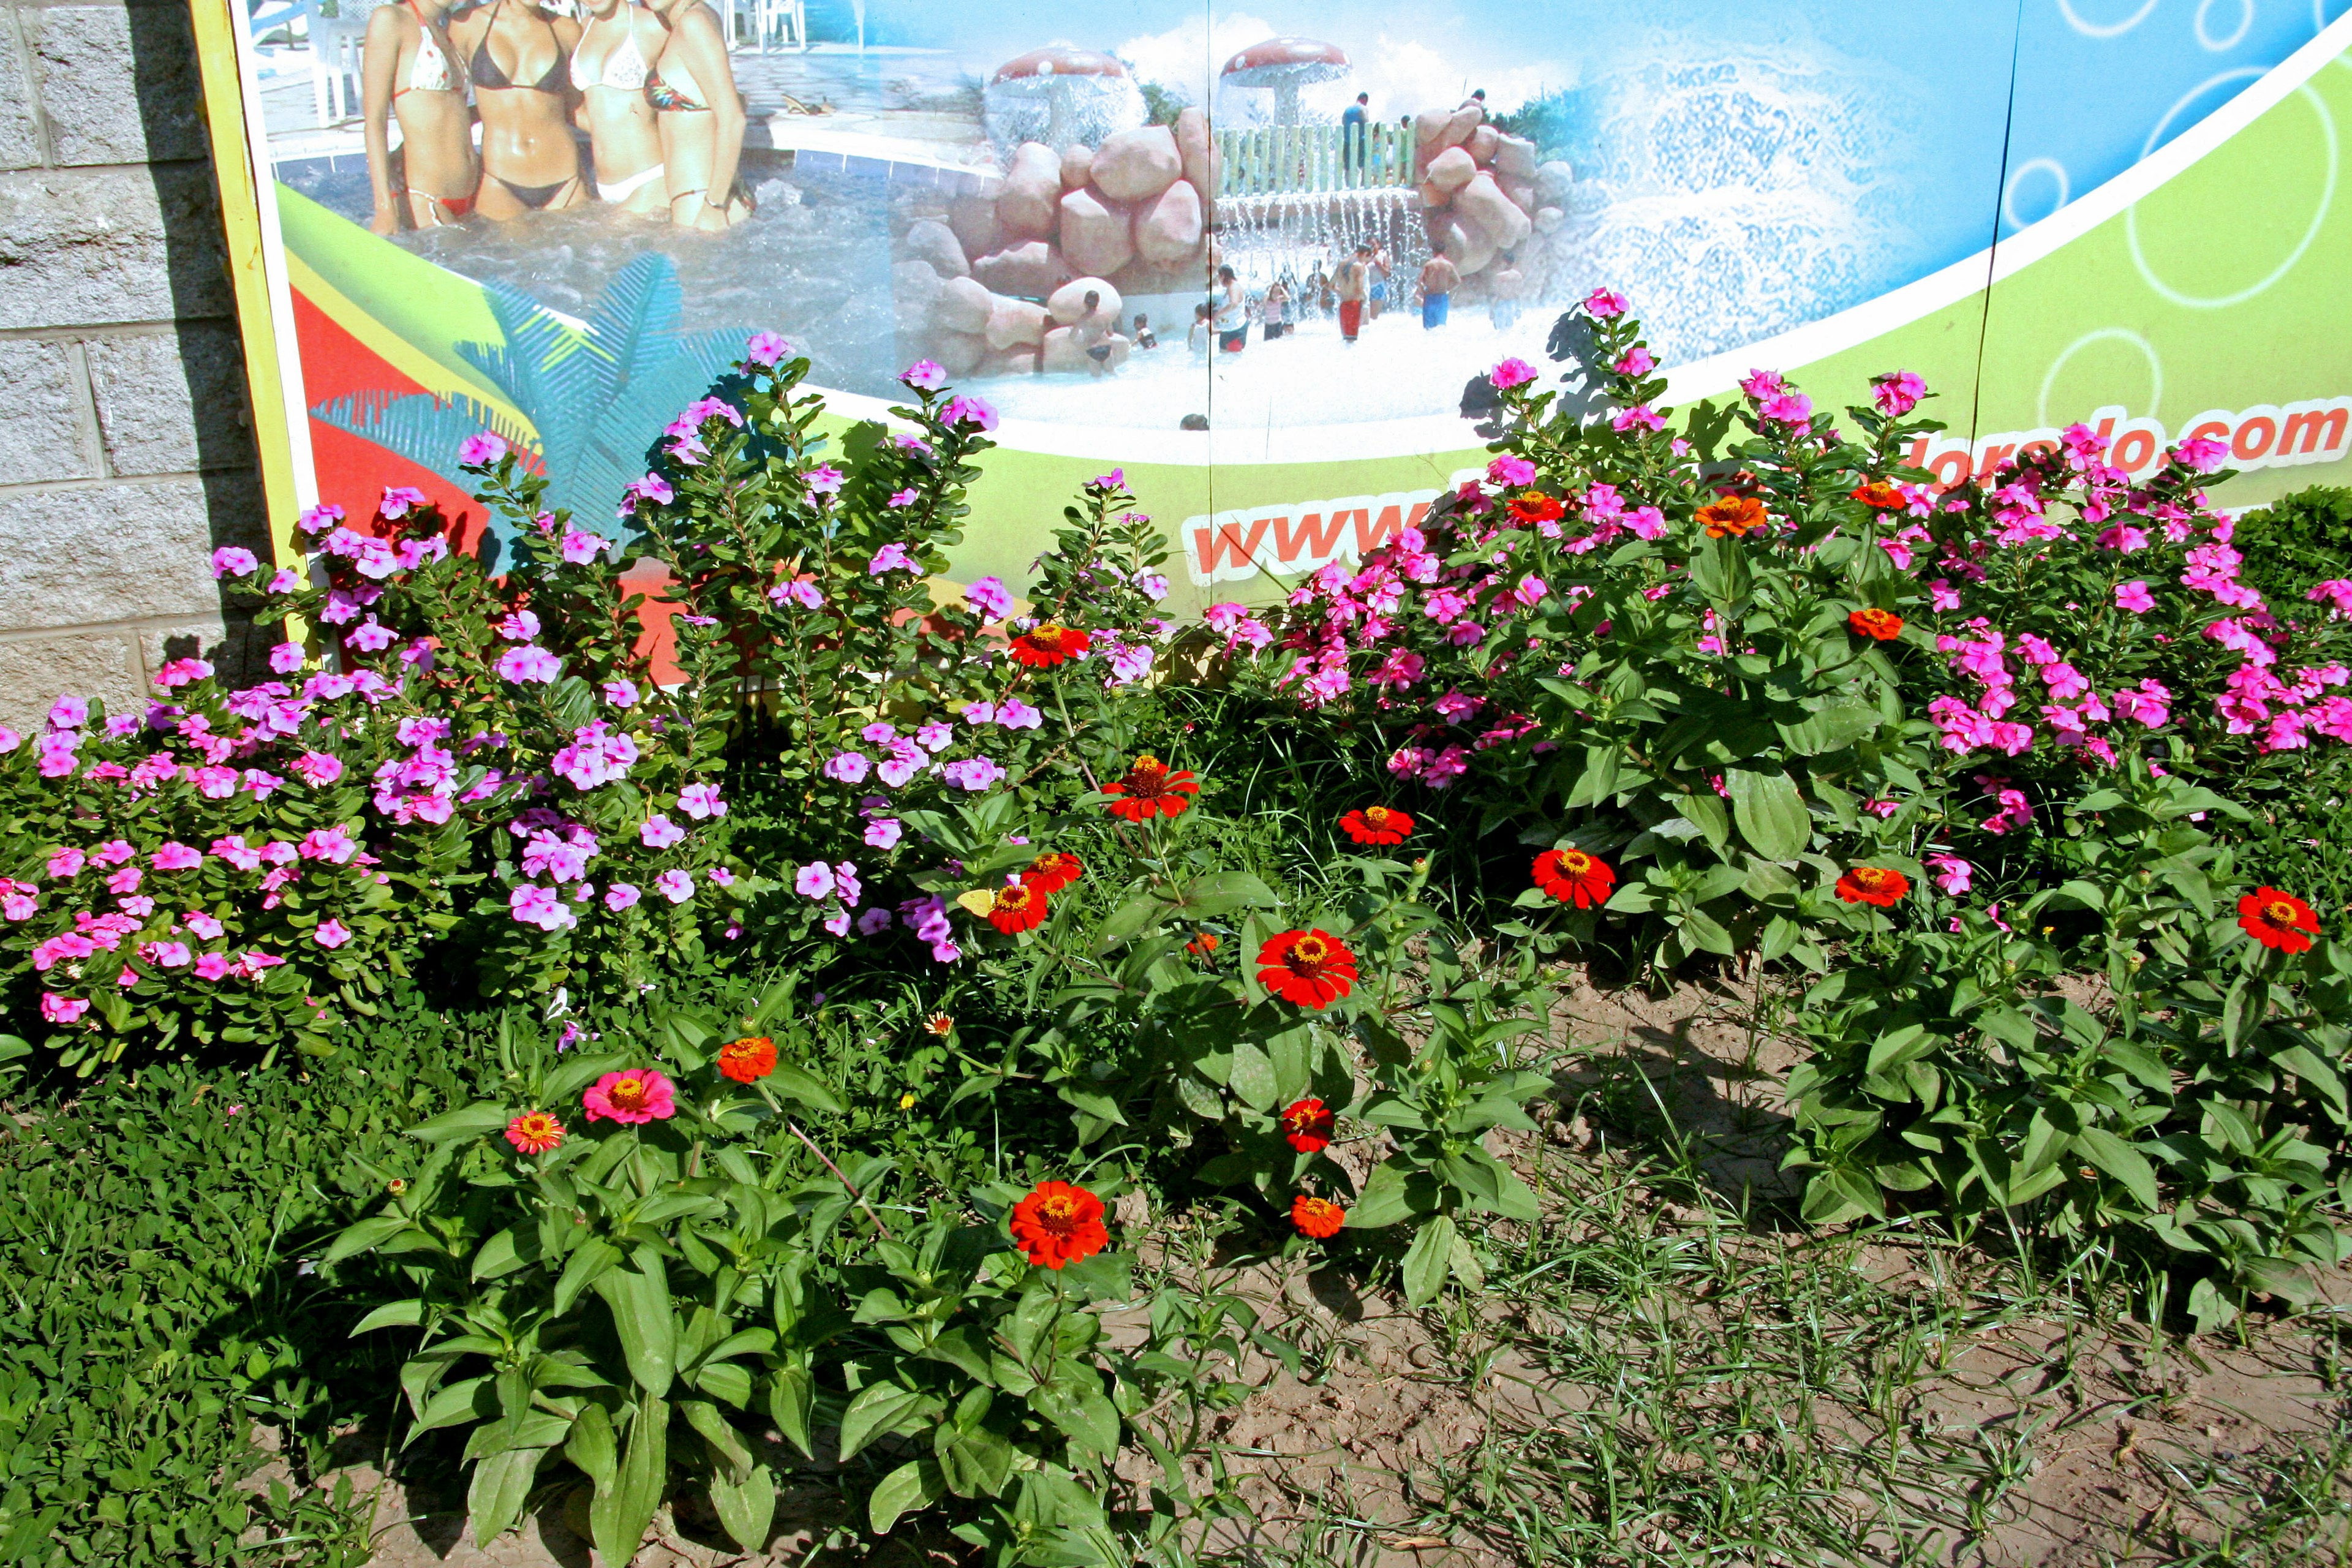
(1014, 900)
(1058, 1213)
(1871, 879)
(1309, 953)
(629, 1094)
(1378, 816)
(1575, 862)
(2278, 912)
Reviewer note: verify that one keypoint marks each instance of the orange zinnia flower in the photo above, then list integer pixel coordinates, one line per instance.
(1873, 884)
(1018, 907)
(1312, 968)
(1202, 944)
(1880, 625)
(939, 1024)
(1734, 515)
(747, 1060)
(1537, 507)
(1320, 1218)
(1573, 876)
(1308, 1124)
(1053, 871)
(1377, 825)
(537, 1131)
(1041, 647)
(2278, 920)
(1149, 790)
(1058, 1224)
(1879, 496)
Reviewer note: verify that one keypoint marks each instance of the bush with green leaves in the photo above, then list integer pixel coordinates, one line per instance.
(2193, 1091)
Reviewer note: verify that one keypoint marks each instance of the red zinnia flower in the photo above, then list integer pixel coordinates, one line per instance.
(1320, 1218)
(1202, 945)
(939, 1024)
(747, 1060)
(1879, 496)
(1377, 825)
(1058, 1224)
(534, 1132)
(1308, 1124)
(1537, 507)
(1880, 625)
(1735, 515)
(1018, 907)
(1873, 884)
(1149, 790)
(1041, 647)
(2278, 920)
(1312, 968)
(1053, 871)
(1573, 876)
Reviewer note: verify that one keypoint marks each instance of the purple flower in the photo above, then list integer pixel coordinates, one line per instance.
(1152, 586)
(807, 595)
(906, 497)
(621, 693)
(925, 375)
(528, 663)
(974, 773)
(521, 626)
(848, 767)
(721, 876)
(541, 907)
(620, 896)
(675, 885)
(874, 921)
(1511, 373)
(1114, 480)
(824, 480)
(989, 598)
(891, 557)
(767, 349)
(882, 833)
(700, 801)
(317, 520)
(964, 409)
(580, 549)
(480, 451)
(399, 499)
(1014, 714)
(815, 880)
(229, 561)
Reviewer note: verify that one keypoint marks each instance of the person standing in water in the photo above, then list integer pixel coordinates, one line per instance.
(1093, 332)
(1353, 280)
(608, 72)
(1438, 277)
(405, 73)
(1230, 316)
(1376, 297)
(516, 56)
(692, 89)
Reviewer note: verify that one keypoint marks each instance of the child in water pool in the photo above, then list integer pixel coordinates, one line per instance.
(1145, 338)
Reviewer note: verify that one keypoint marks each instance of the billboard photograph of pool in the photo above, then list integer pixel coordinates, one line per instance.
(1262, 251)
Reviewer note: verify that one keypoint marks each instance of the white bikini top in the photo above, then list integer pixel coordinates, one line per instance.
(428, 67)
(625, 68)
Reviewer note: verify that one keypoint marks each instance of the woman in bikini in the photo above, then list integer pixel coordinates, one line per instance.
(692, 88)
(608, 71)
(516, 56)
(405, 73)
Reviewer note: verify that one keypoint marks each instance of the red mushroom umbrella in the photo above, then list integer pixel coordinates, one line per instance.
(1285, 65)
(1056, 76)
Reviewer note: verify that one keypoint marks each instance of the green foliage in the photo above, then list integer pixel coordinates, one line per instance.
(2296, 541)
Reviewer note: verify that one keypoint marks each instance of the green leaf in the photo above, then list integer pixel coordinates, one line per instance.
(798, 1084)
(366, 1237)
(747, 1509)
(589, 1445)
(1252, 1077)
(918, 1483)
(475, 1121)
(590, 1261)
(1220, 892)
(792, 1396)
(726, 1443)
(642, 1316)
(1832, 729)
(1094, 1103)
(1085, 1416)
(501, 1485)
(1393, 1193)
(1427, 1260)
(879, 1410)
(1770, 812)
(2121, 1161)
(617, 1519)
(391, 1315)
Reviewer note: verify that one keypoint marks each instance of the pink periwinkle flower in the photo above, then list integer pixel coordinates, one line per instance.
(1511, 373)
(1897, 394)
(543, 907)
(891, 557)
(883, 832)
(332, 933)
(814, 880)
(1602, 304)
(824, 480)
(1788, 408)
(1637, 361)
(925, 375)
(620, 896)
(1952, 874)
(580, 548)
(1506, 470)
(57, 1009)
(480, 450)
(528, 663)
(990, 599)
(399, 501)
(767, 349)
(700, 801)
(973, 774)
(964, 409)
(2134, 596)
(175, 856)
(1641, 416)
(2201, 455)
(230, 561)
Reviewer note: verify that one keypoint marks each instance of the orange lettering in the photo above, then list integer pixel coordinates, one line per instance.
(1372, 533)
(1227, 541)
(1311, 539)
(2322, 429)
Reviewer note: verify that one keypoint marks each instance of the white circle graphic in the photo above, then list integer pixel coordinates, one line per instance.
(2104, 334)
(2050, 166)
(2156, 137)
(2110, 29)
(2212, 45)
(2318, 219)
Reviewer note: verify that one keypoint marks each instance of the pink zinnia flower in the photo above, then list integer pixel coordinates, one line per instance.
(631, 1098)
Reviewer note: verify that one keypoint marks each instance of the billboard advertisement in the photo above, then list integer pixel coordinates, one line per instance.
(1259, 256)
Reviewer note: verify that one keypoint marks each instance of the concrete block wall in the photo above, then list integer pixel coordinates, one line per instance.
(126, 454)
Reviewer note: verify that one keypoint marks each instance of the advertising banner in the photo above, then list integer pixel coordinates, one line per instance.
(1260, 256)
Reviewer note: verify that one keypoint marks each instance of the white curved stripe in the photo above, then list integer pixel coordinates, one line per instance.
(2103, 30)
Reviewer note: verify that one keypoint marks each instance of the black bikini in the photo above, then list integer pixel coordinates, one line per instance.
(486, 72)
